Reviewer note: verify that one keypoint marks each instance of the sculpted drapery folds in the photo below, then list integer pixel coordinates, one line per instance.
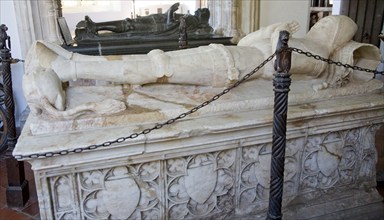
(48, 65)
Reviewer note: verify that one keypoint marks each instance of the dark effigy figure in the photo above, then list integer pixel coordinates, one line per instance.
(153, 26)
(183, 36)
(4, 37)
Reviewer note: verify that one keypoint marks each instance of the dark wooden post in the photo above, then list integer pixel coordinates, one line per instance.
(281, 84)
(17, 190)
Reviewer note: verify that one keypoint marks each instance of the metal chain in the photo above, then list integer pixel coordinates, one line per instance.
(148, 130)
(12, 60)
(196, 108)
(329, 61)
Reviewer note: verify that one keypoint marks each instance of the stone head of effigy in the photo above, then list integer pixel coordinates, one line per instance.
(333, 31)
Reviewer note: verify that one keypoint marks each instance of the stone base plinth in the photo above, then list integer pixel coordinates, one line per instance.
(213, 165)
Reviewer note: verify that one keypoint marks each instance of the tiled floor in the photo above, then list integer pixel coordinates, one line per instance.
(31, 209)
(380, 188)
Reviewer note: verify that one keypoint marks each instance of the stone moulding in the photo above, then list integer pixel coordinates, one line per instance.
(214, 166)
(157, 103)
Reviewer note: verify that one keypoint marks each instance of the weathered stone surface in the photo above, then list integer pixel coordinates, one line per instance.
(217, 66)
(215, 165)
(158, 103)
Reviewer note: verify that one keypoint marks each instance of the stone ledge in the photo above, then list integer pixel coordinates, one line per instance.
(218, 161)
(252, 127)
(155, 103)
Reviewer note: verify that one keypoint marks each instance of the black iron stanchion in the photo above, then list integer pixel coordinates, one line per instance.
(17, 190)
(8, 96)
(281, 84)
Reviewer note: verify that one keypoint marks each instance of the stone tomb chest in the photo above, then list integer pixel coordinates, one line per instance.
(214, 163)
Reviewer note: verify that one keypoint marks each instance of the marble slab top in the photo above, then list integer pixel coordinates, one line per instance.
(159, 103)
(237, 111)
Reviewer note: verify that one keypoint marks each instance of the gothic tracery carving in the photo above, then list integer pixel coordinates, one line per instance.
(217, 184)
(338, 159)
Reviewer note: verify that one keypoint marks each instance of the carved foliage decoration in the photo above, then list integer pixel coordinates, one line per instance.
(217, 184)
(342, 158)
(200, 185)
(63, 198)
(293, 156)
(255, 175)
(124, 192)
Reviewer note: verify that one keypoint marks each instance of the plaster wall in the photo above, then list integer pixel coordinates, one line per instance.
(336, 7)
(282, 10)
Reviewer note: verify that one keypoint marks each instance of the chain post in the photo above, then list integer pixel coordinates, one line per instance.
(17, 193)
(281, 84)
(6, 58)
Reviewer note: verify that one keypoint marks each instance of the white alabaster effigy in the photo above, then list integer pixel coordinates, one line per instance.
(215, 163)
(217, 66)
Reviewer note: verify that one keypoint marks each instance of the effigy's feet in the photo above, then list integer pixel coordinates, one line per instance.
(293, 27)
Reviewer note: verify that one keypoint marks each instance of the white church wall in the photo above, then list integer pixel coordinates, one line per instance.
(282, 10)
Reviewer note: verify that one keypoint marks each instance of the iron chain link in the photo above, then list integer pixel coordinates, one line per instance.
(196, 108)
(148, 130)
(329, 61)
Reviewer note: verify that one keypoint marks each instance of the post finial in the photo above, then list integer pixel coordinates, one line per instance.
(283, 55)
(4, 37)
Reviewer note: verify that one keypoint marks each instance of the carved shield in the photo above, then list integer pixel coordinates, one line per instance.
(200, 182)
(121, 196)
(329, 157)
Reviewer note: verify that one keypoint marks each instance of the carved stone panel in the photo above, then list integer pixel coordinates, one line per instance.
(223, 184)
(123, 192)
(64, 204)
(254, 177)
(338, 159)
(200, 186)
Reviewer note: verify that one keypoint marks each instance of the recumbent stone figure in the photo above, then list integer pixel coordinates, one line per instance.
(48, 65)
